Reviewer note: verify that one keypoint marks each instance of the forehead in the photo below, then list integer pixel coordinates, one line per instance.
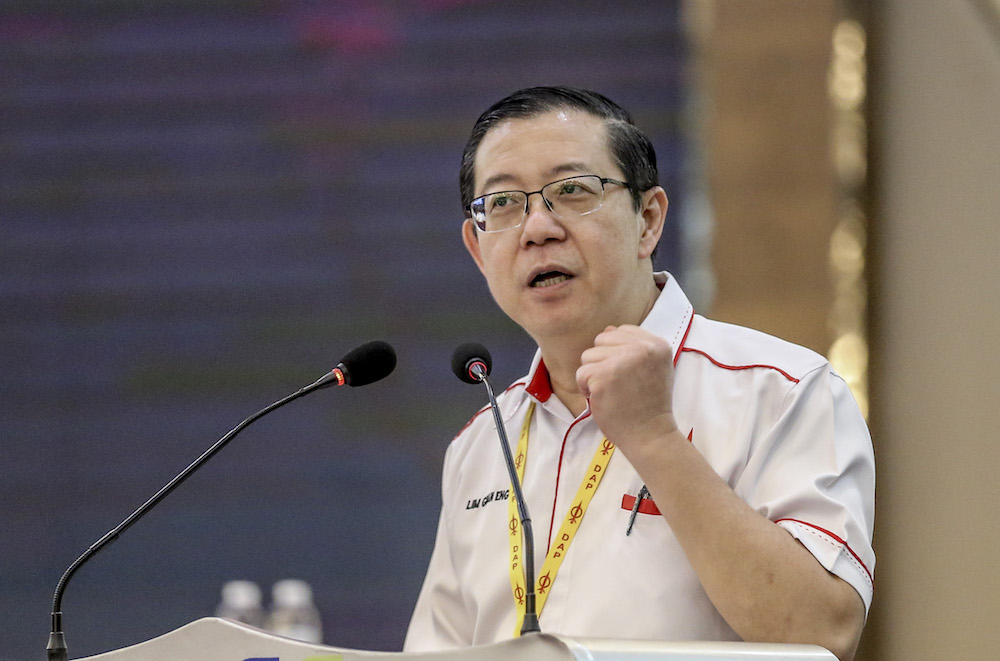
(532, 151)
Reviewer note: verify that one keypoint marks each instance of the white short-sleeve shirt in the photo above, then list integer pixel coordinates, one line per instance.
(772, 418)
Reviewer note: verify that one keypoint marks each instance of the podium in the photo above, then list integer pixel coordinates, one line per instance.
(217, 639)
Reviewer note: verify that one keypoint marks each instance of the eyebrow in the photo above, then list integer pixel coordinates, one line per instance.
(563, 168)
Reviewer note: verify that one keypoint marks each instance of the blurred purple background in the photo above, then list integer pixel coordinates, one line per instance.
(203, 206)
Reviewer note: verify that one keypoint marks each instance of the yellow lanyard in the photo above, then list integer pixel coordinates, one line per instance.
(567, 531)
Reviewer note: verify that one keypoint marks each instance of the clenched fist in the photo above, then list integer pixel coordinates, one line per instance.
(628, 377)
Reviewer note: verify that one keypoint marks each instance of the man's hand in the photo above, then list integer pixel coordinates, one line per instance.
(628, 377)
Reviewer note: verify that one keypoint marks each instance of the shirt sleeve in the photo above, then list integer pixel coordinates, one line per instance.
(813, 473)
(439, 620)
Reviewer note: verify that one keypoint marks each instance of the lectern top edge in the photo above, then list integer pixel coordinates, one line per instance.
(218, 639)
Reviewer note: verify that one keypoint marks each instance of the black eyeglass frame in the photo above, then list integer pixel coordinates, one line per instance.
(480, 218)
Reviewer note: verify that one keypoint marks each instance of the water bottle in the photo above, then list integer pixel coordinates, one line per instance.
(293, 613)
(241, 601)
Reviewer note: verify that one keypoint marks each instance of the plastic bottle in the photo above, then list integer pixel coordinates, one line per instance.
(293, 613)
(241, 601)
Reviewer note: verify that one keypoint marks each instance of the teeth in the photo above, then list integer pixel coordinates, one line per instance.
(549, 280)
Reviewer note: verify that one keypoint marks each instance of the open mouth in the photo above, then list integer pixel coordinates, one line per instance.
(549, 278)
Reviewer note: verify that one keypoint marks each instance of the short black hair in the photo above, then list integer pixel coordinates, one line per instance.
(632, 150)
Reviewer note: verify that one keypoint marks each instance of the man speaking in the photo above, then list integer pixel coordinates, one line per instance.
(687, 479)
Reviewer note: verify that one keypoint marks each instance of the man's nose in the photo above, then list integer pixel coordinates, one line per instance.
(540, 221)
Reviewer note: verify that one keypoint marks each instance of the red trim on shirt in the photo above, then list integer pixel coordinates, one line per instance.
(743, 367)
(541, 386)
(485, 409)
(647, 506)
(677, 351)
(555, 496)
(837, 539)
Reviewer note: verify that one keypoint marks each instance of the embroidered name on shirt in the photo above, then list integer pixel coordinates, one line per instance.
(500, 494)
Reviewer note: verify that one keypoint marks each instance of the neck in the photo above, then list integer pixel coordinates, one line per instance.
(562, 367)
(562, 354)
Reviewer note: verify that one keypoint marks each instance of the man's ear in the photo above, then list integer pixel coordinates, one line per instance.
(471, 240)
(654, 214)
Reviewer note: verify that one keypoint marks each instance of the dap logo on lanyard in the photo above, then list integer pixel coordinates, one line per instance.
(567, 531)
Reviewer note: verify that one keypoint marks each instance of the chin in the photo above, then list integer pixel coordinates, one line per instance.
(555, 328)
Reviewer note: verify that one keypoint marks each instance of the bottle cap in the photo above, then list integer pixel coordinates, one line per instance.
(291, 593)
(241, 594)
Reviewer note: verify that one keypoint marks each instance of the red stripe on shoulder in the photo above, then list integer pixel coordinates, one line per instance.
(485, 409)
(741, 367)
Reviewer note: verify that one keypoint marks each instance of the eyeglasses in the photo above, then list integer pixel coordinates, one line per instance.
(566, 198)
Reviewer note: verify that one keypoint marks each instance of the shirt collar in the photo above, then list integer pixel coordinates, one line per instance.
(672, 313)
(539, 385)
(670, 318)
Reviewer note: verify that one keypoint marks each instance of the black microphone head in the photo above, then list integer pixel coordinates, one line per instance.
(465, 356)
(368, 363)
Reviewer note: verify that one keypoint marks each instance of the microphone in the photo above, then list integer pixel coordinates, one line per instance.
(368, 363)
(471, 363)
(365, 364)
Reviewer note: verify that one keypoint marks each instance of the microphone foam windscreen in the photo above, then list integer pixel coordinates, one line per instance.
(369, 363)
(466, 354)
